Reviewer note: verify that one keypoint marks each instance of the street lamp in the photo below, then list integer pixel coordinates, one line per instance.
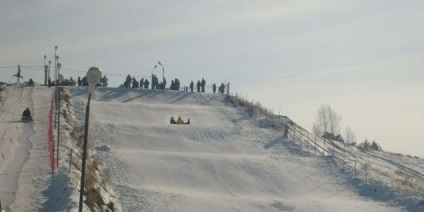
(45, 70)
(93, 77)
(48, 73)
(56, 58)
(152, 74)
(55, 63)
(163, 71)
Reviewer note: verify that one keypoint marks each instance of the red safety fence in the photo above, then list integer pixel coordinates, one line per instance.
(50, 140)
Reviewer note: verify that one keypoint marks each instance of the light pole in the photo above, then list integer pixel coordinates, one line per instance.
(93, 77)
(163, 72)
(55, 63)
(152, 74)
(58, 117)
(56, 57)
(45, 70)
(48, 74)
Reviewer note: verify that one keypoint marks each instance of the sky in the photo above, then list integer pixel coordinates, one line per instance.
(361, 57)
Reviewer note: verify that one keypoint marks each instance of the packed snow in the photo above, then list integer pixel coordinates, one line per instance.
(224, 160)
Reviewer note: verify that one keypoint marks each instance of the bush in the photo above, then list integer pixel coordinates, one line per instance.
(331, 136)
(352, 144)
(366, 145)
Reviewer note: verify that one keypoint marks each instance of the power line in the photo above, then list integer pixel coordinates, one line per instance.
(41, 68)
(22, 66)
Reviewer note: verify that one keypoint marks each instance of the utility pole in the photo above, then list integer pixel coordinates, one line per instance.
(55, 81)
(48, 73)
(55, 63)
(58, 119)
(45, 70)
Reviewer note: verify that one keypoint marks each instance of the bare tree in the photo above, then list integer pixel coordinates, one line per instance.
(349, 136)
(328, 121)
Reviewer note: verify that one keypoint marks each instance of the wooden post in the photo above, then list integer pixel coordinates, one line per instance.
(315, 141)
(70, 161)
(323, 149)
(366, 173)
(58, 126)
(300, 143)
(355, 165)
(307, 147)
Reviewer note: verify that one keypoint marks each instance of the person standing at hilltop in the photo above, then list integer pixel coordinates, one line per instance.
(146, 84)
(191, 86)
(198, 86)
(221, 88)
(128, 81)
(141, 83)
(203, 85)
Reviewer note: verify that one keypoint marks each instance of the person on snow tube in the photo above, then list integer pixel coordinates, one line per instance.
(180, 121)
(26, 115)
(172, 121)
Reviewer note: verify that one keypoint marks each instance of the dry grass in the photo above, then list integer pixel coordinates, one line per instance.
(407, 182)
(250, 107)
(95, 163)
(105, 179)
(94, 198)
(95, 177)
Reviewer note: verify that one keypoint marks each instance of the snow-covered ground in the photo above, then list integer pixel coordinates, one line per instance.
(223, 161)
(26, 182)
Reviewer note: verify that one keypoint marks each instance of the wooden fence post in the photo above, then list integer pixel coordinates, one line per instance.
(70, 161)
(323, 149)
(355, 165)
(366, 173)
(300, 143)
(307, 147)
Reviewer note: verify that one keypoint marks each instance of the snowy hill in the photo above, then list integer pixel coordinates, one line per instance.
(225, 160)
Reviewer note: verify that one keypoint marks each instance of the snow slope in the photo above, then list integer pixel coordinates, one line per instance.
(223, 161)
(26, 180)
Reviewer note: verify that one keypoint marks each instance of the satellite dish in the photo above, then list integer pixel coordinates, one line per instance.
(93, 77)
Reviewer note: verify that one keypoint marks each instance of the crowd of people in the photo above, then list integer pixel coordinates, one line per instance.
(131, 82)
(144, 83)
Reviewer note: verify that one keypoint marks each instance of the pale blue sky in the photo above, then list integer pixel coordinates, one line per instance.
(364, 58)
